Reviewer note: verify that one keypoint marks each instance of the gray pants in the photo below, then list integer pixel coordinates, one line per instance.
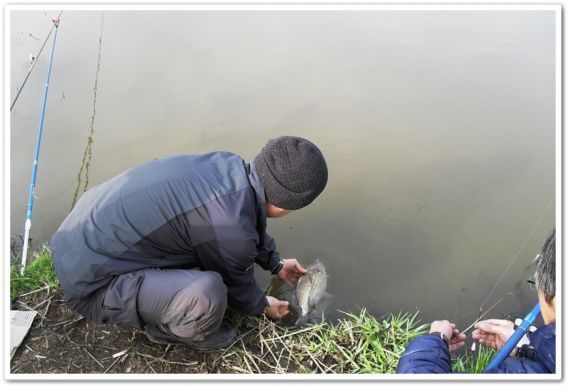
(191, 304)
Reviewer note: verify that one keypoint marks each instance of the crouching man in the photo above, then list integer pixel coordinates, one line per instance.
(129, 251)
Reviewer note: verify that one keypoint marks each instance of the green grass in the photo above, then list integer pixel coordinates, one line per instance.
(359, 343)
(382, 342)
(475, 363)
(38, 274)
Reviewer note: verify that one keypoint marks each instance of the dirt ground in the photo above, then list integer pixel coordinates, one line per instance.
(61, 342)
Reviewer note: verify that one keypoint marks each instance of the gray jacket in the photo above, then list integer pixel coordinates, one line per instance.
(187, 211)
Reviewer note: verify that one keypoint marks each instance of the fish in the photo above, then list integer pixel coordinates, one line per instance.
(311, 287)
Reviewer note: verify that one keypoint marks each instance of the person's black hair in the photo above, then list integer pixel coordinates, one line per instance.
(546, 268)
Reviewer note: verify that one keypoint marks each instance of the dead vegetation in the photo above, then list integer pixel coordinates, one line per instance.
(61, 341)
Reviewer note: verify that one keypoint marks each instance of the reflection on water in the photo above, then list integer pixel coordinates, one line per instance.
(83, 174)
(438, 128)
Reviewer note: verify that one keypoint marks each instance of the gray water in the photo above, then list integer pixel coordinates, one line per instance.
(438, 128)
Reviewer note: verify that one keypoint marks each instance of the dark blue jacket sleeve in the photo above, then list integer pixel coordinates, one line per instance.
(267, 255)
(518, 365)
(230, 248)
(425, 354)
(234, 260)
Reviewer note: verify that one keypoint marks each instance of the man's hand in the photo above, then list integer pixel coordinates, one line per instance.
(494, 332)
(291, 271)
(456, 340)
(277, 308)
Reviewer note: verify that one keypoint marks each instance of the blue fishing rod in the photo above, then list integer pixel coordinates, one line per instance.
(28, 224)
(514, 339)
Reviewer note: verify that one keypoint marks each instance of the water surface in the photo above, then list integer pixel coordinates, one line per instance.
(438, 128)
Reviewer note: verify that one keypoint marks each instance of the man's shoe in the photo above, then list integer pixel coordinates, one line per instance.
(218, 340)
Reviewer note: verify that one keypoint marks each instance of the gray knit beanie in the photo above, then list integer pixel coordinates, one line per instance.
(292, 170)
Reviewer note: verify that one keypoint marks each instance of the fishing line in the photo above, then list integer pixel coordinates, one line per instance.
(481, 316)
(87, 154)
(518, 253)
(466, 314)
(34, 63)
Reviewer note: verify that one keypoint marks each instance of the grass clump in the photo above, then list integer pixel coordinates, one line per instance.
(380, 343)
(40, 273)
(474, 363)
(360, 343)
